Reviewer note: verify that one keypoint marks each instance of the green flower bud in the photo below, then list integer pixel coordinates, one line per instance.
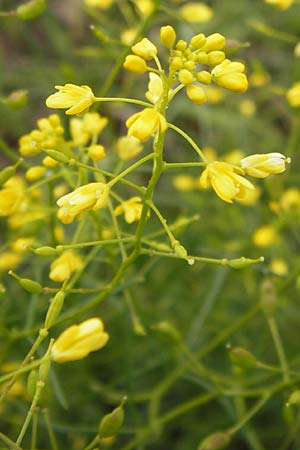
(167, 329)
(6, 174)
(58, 156)
(180, 251)
(17, 99)
(31, 9)
(99, 34)
(54, 309)
(30, 286)
(44, 367)
(242, 358)
(112, 422)
(215, 441)
(45, 251)
(268, 298)
(31, 383)
(294, 398)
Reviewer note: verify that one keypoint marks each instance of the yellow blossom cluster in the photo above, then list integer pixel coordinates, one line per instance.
(48, 134)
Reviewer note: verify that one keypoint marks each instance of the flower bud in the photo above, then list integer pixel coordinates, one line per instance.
(54, 309)
(49, 162)
(45, 251)
(196, 94)
(294, 398)
(31, 9)
(16, 99)
(167, 36)
(145, 49)
(215, 58)
(30, 286)
(214, 41)
(99, 34)
(268, 298)
(58, 156)
(185, 76)
(6, 174)
(35, 173)
(96, 152)
(44, 367)
(242, 358)
(202, 58)
(215, 441)
(135, 64)
(204, 77)
(112, 422)
(198, 41)
(31, 383)
(167, 329)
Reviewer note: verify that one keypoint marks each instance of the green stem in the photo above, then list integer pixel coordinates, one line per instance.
(124, 100)
(51, 434)
(40, 386)
(129, 169)
(9, 442)
(92, 444)
(163, 221)
(279, 348)
(249, 414)
(183, 164)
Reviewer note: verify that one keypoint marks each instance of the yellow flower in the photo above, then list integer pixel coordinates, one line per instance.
(230, 76)
(88, 127)
(196, 12)
(293, 95)
(144, 123)
(131, 208)
(89, 197)
(196, 94)
(290, 199)
(77, 341)
(9, 261)
(233, 157)
(63, 266)
(282, 4)
(77, 98)
(145, 6)
(145, 49)
(21, 245)
(155, 88)
(260, 166)
(11, 196)
(128, 147)
(128, 36)
(101, 4)
(279, 267)
(265, 236)
(184, 183)
(226, 181)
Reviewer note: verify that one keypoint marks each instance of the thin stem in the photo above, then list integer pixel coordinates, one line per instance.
(183, 164)
(124, 100)
(39, 388)
(189, 140)
(250, 414)
(92, 444)
(9, 442)
(130, 169)
(34, 428)
(279, 348)
(163, 222)
(51, 434)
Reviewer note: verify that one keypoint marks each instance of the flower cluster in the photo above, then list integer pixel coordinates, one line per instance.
(49, 134)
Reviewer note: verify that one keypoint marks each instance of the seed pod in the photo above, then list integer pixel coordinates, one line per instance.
(242, 263)
(58, 156)
(31, 383)
(31, 9)
(30, 286)
(45, 251)
(112, 422)
(215, 441)
(54, 309)
(99, 34)
(16, 99)
(167, 329)
(242, 358)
